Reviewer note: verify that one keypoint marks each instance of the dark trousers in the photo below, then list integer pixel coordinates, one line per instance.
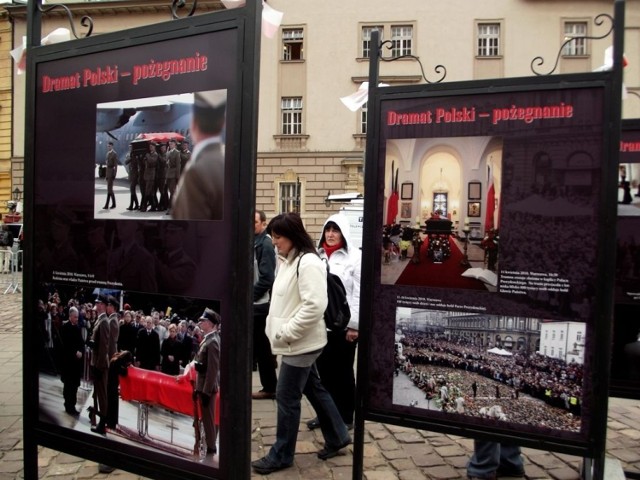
(70, 393)
(110, 194)
(209, 422)
(335, 366)
(134, 196)
(100, 391)
(262, 349)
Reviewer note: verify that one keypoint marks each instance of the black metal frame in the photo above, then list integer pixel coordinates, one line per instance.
(235, 435)
(592, 448)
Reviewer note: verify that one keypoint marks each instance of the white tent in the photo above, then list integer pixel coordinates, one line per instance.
(500, 351)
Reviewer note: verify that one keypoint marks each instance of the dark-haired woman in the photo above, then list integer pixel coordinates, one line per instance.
(296, 330)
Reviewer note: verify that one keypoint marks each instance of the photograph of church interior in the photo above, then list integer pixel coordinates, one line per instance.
(629, 189)
(441, 212)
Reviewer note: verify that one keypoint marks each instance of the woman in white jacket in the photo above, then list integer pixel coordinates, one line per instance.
(335, 365)
(296, 330)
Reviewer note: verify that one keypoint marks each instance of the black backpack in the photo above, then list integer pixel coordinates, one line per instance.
(337, 314)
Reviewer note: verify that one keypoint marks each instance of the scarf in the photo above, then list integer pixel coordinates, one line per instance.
(329, 250)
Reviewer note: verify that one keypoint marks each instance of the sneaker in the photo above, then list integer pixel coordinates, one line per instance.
(264, 466)
(262, 395)
(330, 452)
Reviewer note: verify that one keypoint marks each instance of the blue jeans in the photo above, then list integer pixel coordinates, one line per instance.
(488, 456)
(292, 383)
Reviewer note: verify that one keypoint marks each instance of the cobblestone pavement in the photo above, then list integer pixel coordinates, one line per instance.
(390, 452)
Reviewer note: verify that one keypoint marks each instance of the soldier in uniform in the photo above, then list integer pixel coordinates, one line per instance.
(112, 168)
(132, 161)
(200, 192)
(150, 165)
(161, 178)
(173, 170)
(185, 155)
(207, 367)
(114, 324)
(100, 364)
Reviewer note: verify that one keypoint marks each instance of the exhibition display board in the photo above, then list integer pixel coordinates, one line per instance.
(166, 114)
(625, 357)
(490, 318)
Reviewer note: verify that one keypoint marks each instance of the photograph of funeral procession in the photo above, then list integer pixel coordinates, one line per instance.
(132, 367)
(514, 369)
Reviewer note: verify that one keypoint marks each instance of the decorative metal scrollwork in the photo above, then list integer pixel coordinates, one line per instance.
(439, 69)
(177, 4)
(86, 21)
(598, 21)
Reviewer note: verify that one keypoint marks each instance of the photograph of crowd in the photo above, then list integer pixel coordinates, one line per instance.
(136, 368)
(161, 157)
(528, 370)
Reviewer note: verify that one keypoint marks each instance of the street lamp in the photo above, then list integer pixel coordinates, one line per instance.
(17, 194)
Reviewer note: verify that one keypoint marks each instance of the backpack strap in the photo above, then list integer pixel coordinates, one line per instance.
(298, 266)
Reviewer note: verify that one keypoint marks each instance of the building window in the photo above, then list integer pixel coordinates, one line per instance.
(576, 31)
(579, 336)
(553, 334)
(488, 39)
(292, 44)
(366, 39)
(401, 40)
(291, 115)
(363, 119)
(561, 334)
(289, 199)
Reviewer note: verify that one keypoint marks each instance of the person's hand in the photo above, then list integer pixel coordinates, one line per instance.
(352, 335)
(170, 357)
(205, 399)
(78, 354)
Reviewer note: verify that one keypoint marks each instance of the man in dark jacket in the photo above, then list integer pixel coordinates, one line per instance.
(264, 266)
(72, 361)
(148, 347)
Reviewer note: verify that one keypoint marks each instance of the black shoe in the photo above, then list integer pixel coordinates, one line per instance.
(211, 451)
(505, 472)
(102, 468)
(330, 452)
(313, 424)
(99, 429)
(92, 416)
(129, 208)
(105, 208)
(265, 467)
(72, 411)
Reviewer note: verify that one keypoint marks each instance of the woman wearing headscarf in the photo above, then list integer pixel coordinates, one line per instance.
(335, 365)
